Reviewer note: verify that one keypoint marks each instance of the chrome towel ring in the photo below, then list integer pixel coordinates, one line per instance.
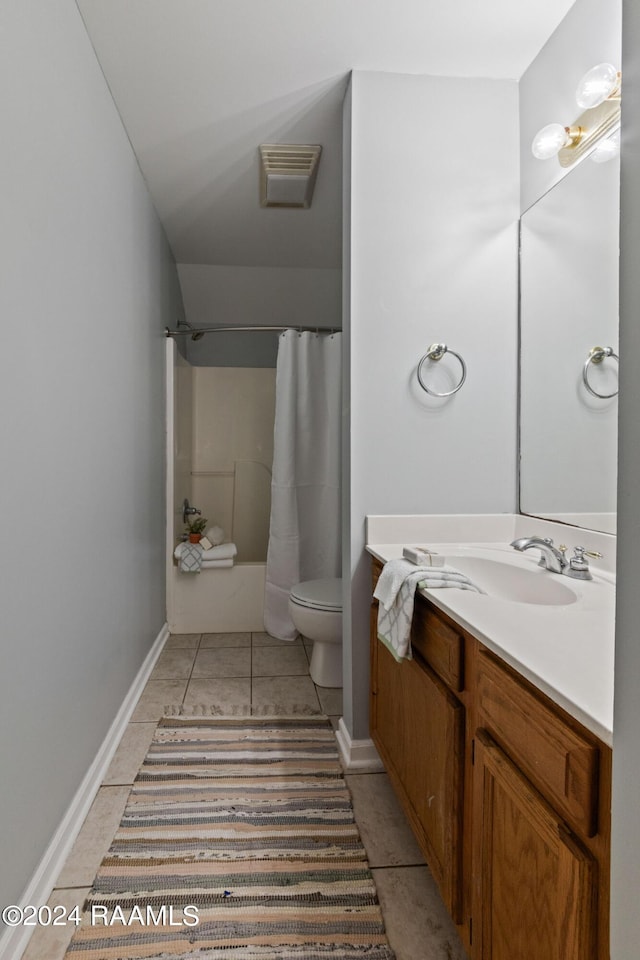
(436, 352)
(597, 355)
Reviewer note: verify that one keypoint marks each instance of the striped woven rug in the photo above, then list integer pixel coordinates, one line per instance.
(238, 842)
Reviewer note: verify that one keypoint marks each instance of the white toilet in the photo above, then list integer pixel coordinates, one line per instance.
(315, 607)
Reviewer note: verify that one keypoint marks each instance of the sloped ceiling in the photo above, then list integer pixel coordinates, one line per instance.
(201, 83)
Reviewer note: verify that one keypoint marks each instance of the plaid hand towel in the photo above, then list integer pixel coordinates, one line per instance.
(191, 558)
(396, 590)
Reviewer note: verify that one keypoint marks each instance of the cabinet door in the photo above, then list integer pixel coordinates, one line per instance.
(418, 727)
(533, 884)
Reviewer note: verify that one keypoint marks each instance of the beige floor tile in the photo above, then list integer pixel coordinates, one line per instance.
(50, 943)
(218, 696)
(417, 922)
(223, 662)
(330, 700)
(283, 695)
(158, 697)
(280, 661)
(265, 640)
(131, 751)
(174, 664)
(94, 838)
(210, 640)
(179, 641)
(384, 829)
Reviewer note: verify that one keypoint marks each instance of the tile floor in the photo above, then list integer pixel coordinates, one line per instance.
(243, 673)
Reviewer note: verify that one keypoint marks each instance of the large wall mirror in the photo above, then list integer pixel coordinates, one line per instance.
(569, 305)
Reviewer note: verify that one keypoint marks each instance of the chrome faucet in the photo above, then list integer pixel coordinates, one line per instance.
(550, 557)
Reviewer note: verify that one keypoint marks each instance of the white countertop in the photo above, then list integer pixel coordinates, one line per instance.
(567, 651)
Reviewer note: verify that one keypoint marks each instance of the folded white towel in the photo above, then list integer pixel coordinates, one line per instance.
(216, 564)
(226, 551)
(395, 591)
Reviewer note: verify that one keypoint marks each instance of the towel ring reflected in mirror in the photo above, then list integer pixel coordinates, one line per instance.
(597, 355)
(436, 352)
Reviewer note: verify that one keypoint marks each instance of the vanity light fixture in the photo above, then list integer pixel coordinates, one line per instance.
(598, 94)
(607, 149)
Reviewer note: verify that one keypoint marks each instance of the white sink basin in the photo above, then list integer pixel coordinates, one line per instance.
(506, 581)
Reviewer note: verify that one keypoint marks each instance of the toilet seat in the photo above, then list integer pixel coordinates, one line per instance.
(319, 595)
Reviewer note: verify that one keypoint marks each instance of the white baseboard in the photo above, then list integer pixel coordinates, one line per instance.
(358, 756)
(14, 939)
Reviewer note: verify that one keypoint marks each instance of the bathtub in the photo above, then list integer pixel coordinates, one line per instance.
(217, 600)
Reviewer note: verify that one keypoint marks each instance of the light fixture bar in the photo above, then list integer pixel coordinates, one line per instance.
(599, 95)
(596, 123)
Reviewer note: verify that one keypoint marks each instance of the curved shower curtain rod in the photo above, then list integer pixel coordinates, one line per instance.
(197, 332)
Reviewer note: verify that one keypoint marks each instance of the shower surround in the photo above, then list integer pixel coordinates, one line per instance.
(220, 450)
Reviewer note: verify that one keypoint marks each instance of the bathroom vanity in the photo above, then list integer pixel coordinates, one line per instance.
(503, 771)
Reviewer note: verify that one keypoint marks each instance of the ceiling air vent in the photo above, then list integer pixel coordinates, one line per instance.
(288, 174)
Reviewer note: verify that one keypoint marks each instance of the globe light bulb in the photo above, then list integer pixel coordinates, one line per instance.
(607, 149)
(597, 85)
(549, 141)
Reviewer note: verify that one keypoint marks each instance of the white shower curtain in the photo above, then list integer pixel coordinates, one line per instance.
(304, 532)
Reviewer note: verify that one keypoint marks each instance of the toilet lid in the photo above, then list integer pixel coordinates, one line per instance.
(319, 594)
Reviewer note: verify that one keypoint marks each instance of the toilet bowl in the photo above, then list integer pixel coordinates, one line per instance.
(315, 607)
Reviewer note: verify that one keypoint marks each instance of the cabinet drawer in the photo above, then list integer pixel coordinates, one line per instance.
(557, 759)
(439, 644)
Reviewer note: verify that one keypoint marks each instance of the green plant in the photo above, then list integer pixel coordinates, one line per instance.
(196, 525)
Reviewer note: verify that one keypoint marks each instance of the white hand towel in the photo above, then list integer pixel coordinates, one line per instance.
(396, 589)
(216, 564)
(394, 621)
(433, 581)
(393, 575)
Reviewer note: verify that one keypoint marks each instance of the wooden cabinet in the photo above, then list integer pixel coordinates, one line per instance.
(508, 796)
(418, 725)
(534, 891)
(418, 728)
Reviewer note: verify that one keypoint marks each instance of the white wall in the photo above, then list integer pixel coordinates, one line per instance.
(433, 251)
(88, 285)
(226, 295)
(589, 34)
(625, 859)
